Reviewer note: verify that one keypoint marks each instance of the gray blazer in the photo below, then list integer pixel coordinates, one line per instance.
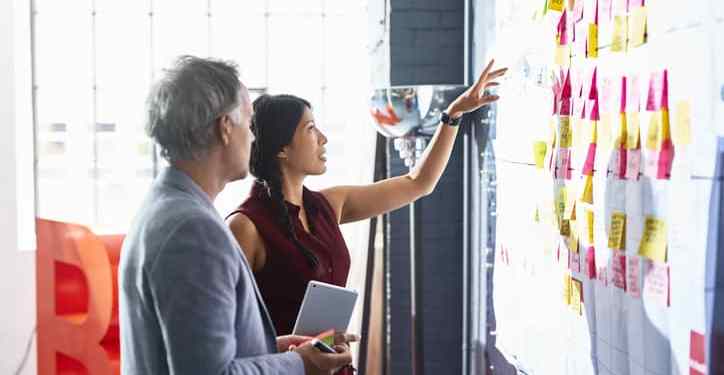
(188, 301)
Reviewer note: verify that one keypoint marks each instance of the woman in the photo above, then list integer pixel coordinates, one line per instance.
(290, 234)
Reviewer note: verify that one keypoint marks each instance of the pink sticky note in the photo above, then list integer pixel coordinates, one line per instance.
(622, 108)
(563, 29)
(633, 4)
(606, 6)
(634, 95)
(602, 275)
(578, 11)
(591, 262)
(651, 163)
(622, 162)
(566, 92)
(666, 157)
(565, 107)
(575, 262)
(566, 164)
(595, 114)
(593, 92)
(653, 100)
(633, 164)
(618, 278)
(587, 169)
(633, 276)
(656, 282)
(665, 90)
(605, 95)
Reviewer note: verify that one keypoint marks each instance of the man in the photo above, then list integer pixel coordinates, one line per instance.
(188, 301)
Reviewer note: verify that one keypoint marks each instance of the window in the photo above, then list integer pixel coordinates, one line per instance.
(95, 61)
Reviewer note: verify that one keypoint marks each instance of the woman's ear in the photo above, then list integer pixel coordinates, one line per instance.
(282, 154)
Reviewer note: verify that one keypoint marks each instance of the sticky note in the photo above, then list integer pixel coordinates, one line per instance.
(563, 55)
(587, 194)
(617, 233)
(592, 50)
(561, 202)
(637, 27)
(620, 31)
(604, 132)
(556, 5)
(633, 131)
(565, 227)
(570, 213)
(652, 135)
(590, 160)
(657, 282)
(564, 132)
(633, 276)
(665, 129)
(539, 153)
(576, 296)
(618, 277)
(653, 240)
(536, 215)
(591, 262)
(563, 29)
(567, 289)
(574, 261)
(682, 127)
(665, 161)
(633, 165)
(589, 226)
(573, 243)
(621, 137)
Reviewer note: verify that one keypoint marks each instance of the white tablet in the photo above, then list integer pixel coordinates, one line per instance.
(325, 306)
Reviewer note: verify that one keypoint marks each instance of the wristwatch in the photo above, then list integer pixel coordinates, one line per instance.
(446, 119)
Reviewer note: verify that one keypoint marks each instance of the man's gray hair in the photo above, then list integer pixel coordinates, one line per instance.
(185, 103)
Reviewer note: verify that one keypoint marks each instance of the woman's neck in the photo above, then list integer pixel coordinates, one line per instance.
(293, 187)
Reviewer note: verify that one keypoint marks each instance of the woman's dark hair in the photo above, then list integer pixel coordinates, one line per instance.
(273, 124)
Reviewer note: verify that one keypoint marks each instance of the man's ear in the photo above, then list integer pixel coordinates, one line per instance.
(224, 127)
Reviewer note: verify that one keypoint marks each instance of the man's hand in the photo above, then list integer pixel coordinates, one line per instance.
(474, 97)
(285, 342)
(318, 362)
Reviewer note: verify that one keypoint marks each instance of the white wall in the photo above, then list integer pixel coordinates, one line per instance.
(17, 268)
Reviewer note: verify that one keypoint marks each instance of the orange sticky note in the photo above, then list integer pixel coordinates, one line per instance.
(637, 27)
(587, 196)
(620, 31)
(682, 129)
(633, 127)
(576, 297)
(564, 132)
(539, 153)
(592, 41)
(653, 241)
(617, 234)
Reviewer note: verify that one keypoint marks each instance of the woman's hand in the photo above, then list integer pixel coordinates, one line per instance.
(286, 342)
(474, 97)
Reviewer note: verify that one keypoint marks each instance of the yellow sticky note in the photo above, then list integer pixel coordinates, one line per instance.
(587, 196)
(593, 135)
(589, 226)
(564, 132)
(604, 132)
(536, 216)
(576, 297)
(665, 132)
(620, 31)
(556, 5)
(652, 135)
(653, 241)
(563, 55)
(637, 28)
(592, 41)
(565, 227)
(682, 130)
(567, 289)
(570, 212)
(578, 133)
(539, 153)
(573, 237)
(560, 203)
(617, 235)
(633, 127)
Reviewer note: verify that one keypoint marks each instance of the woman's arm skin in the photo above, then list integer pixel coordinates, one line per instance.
(353, 203)
(249, 239)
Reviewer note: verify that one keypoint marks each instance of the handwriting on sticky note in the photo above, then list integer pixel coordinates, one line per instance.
(592, 41)
(618, 43)
(567, 289)
(618, 277)
(657, 282)
(560, 203)
(652, 135)
(633, 165)
(653, 240)
(637, 27)
(564, 132)
(682, 128)
(633, 131)
(591, 262)
(589, 226)
(539, 153)
(576, 297)
(633, 275)
(575, 261)
(565, 227)
(587, 196)
(617, 235)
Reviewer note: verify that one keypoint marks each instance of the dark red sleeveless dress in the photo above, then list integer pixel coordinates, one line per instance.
(284, 277)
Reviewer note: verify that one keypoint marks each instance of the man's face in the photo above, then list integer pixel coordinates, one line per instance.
(241, 137)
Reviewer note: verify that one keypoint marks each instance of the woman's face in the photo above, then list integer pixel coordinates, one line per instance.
(306, 154)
